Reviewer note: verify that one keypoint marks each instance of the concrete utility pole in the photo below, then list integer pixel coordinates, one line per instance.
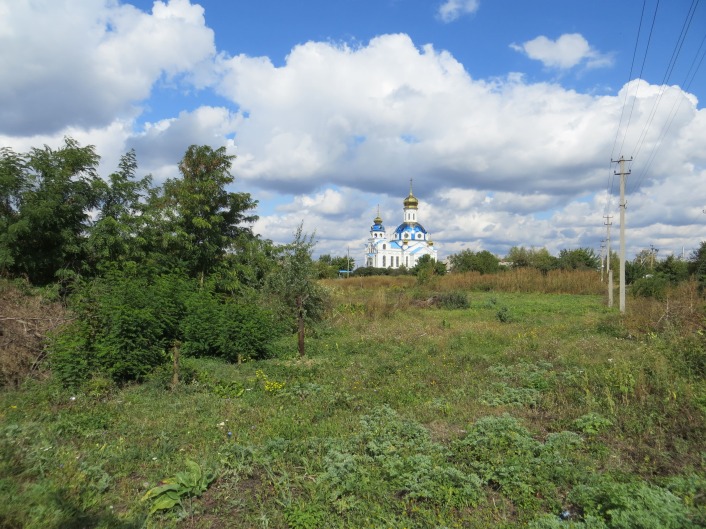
(602, 259)
(653, 253)
(608, 224)
(623, 204)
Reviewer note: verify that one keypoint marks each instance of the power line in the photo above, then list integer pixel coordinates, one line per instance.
(667, 75)
(686, 85)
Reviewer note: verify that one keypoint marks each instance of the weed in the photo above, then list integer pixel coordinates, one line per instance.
(503, 315)
(190, 483)
(592, 423)
(454, 300)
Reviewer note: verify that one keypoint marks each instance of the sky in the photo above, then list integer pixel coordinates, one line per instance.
(504, 115)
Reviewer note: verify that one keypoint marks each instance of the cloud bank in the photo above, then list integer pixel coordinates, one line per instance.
(339, 129)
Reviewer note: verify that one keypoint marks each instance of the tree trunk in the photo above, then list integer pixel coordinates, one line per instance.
(300, 323)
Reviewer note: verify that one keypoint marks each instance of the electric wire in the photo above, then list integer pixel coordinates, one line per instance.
(675, 106)
(688, 79)
(642, 69)
(611, 174)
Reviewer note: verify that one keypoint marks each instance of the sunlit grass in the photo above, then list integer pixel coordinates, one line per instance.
(556, 363)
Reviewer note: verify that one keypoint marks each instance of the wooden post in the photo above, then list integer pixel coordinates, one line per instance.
(300, 323)
(175, 358)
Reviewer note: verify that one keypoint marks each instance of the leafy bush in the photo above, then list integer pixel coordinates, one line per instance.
(506, 457)
(503, 315)
(634, 505)
(454, 300)
(592, 423)
(653, 286)
(172, 491)
(123, 329)
(229, 330)
(395, 457)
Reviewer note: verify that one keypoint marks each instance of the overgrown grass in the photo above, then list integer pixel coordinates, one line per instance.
(403, 414)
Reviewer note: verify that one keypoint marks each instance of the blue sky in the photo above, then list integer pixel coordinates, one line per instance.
(505, 113)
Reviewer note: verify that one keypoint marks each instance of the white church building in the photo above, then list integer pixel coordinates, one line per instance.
(405, 245)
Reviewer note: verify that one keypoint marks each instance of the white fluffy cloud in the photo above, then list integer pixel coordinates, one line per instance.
(565, 52)
(83, 64)
(450, 10)
(338, 129)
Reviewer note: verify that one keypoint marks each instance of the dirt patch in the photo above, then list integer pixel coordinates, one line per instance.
(25, 321)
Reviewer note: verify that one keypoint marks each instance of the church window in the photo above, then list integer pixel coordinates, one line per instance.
(383, 261)
(398, 260)
(419, 235)
(384, 247)
(406, 261)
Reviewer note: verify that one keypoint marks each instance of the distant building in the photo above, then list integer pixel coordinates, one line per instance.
(406, 244)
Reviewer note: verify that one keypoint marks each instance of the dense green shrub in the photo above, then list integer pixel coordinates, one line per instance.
(633, 505)
(126, 327)
(454, 300)
(507, 458)
(123, 328)
(651, 286)
(395, 457)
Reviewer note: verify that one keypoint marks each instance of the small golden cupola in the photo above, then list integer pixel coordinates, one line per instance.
(411, 201)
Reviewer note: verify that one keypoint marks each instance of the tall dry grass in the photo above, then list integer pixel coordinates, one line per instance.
(519, 280)
(682, 309)
(527, 280)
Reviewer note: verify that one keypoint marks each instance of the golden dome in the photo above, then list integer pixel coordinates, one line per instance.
(411, 201)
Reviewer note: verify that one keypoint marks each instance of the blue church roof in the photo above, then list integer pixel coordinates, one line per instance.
(410, 227)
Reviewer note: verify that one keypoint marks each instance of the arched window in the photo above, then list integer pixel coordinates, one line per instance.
(384, 246)
(406, 261)
(383, 261)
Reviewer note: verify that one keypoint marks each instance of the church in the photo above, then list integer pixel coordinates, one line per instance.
(406, 244)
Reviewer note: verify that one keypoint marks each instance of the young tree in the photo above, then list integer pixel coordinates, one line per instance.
(294, 283)
(427, 268)
(115, 239)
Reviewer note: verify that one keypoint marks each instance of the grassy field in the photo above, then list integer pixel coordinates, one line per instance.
(524, 409)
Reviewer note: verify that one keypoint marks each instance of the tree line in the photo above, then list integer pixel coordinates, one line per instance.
(148, 268)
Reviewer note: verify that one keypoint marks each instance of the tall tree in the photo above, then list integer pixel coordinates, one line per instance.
(115, 239)
(46, 217)
(201, 218)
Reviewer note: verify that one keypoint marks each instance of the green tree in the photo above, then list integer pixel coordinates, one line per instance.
(469, 261)
(116, 240)
(427, 268)
(541, 259)
(463, 261)
(697, 264)
(673, 268)
(329, 267)
(578, 259)
(200, 219)
(45, 215)
(294, 283)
